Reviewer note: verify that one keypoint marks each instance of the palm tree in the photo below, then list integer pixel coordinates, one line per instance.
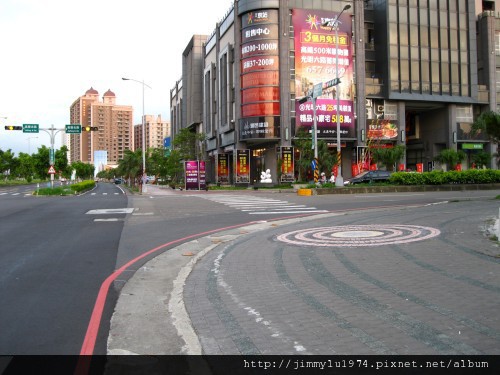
(131, 165)
(388, 156)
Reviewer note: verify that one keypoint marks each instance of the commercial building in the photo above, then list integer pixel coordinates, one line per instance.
(157, 130)
(412, 72)
(113, 123)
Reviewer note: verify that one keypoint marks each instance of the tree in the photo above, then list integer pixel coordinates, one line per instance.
(130, 166)
(26, 167)
(175, 168)
(488, 122)
(158, 163)
(41, 162)
(451, 157)
(388, 156)
(61, 161)
(83, 171)
(7, 161)
(326, 159)
(189, 144)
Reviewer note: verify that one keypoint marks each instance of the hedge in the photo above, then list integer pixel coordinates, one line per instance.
(470, 176)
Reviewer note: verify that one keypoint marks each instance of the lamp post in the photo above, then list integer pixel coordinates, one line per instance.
(339, 181)
(29, 143)
(144, 178)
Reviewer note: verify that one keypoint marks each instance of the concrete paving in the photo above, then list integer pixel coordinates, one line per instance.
(424, 280)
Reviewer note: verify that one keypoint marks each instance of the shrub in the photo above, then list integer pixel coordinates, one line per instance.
(470, 176)
(82, 186)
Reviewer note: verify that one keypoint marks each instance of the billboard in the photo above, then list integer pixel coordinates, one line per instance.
(316, 62)
(260, 92)
(194, 175)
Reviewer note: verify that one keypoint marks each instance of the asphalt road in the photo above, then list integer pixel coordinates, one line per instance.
(248, 288)
(55, 256)
(53, 259)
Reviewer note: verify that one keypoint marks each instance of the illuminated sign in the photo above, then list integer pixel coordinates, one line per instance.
(316, 62)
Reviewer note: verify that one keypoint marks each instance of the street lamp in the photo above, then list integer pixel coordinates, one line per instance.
(143, 132)
(339, 181)
(29, 144)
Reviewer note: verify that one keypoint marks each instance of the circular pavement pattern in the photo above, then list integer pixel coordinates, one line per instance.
(358, 235)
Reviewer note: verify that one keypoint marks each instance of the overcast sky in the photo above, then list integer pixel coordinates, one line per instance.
(52, 51)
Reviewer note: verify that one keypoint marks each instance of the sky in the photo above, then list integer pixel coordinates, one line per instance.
(53, 51)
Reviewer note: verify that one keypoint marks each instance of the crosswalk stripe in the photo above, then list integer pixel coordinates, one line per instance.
(261, 206)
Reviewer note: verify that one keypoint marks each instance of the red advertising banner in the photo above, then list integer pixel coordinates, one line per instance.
(242, 166)
(260, 94)
(260, 47)
(255, 63)
(260, 78)
(223, 169)
(316, 61)
(287, 164)
(260, 109)
(260, 63)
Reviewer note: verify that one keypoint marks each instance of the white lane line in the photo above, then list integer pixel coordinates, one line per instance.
(105, 211)
(284, 212)
(111, 219)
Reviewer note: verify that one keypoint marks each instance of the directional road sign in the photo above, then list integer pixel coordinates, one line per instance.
(333, 82)
(30, 128)
(73, 129)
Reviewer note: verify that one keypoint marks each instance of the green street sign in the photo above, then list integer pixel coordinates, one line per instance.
(472, 146)
(52, 156)
(30, 128)
(73, 129)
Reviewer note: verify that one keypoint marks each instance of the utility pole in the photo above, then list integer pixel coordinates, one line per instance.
(52, 155)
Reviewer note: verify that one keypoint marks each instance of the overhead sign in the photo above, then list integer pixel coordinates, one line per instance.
(30, 128)
(52, 170)
(73, 129)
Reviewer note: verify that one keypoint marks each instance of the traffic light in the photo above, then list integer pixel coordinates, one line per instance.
(89, 128)
(12, 127)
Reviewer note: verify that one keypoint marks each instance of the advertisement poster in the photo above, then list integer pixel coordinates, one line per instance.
(195, 175)
(191, 174)
(260, 90)
(316, 62)
(380, 129)
(223, 169)
(242, 166)
(287, 164)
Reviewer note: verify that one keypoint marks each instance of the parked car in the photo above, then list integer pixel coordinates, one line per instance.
(369, 176)
(118, 181)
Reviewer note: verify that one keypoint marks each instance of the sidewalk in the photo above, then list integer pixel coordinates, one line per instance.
(434, 295)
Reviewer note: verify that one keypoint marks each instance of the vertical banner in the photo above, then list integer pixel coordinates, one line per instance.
(316, 62)
(202, 180)
(287, 164)
(242, 166)
(260, 84)
(223, 169)
(191, 175)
